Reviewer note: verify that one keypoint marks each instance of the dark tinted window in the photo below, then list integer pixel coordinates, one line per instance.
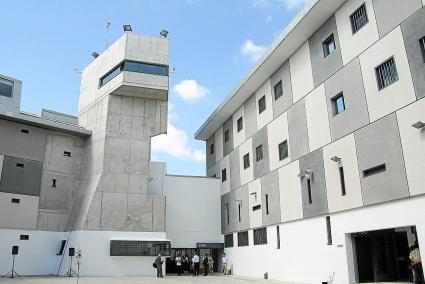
(240, 124)
(283, 150)
(262, 104)
(246, 161)
(259, 153)
(329, 45)
(422, 44)
(260, 236)
(386, 73)
(243, 240)
(278, 90)
(6, 89)
(228, 241)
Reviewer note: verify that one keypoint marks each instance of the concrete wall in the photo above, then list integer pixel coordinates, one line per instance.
(22, 215)
(297, 126)
(11, 105)
(193, 211)
(301, 72)
(228, 145)
(285, 101)
(262, 166)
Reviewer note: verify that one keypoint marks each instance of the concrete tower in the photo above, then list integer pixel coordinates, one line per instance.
(123, 101)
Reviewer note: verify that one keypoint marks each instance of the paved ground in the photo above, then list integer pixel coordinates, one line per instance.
(140, 280)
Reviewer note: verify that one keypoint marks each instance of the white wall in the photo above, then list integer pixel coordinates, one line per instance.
(400, 93)
(316, 110)
(255, 217)
(290, 192)
(304, 243)
(193, 211)
(354, 44)
(267, 115)
(412, 141)
(247, 175)
(345, 149)
(301, 72)
(277, 132)
(238, 137)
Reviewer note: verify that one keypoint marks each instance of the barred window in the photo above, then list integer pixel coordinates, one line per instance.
(243, 240)
(260, 236)
(139, 248)
(359, 18)
(386, 73)
(262, 104)
(278, 90)
(228, 241)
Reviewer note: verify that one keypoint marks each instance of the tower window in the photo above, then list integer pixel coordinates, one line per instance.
(267, 204)
(243, 239)
(329, 45)
(6, 88)
(26, 131)
(283, 150)
(211, 149)
(260, 236)
(422, 44)
(329, 230)
(338, 104)
(240, 124)
(20, 165)
(259, 153)
(53, 182)
(342, 181)
(386, 73)
(67, 154)
(374, 170)
(359, 18)
(24, 237)
(228, 241)
(16, 200)
(310, 198)
(223, 175)
(246, 161)
(262, 104)
(227, 213)
(226, 135)
(278, 90)
(278, 236)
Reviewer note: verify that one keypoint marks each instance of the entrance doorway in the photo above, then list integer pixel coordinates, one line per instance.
(383, 255)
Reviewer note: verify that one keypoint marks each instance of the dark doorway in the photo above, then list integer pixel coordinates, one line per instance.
(383, 256)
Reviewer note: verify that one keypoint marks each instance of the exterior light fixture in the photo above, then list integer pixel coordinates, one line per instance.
(308, 174)
(164, 33)
(94, 54)
(336, 159)
(127, 28)
(418, 125)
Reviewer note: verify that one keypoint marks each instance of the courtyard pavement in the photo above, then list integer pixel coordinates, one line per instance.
(141, 280)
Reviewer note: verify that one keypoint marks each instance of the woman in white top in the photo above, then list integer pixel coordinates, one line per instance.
(179, 264)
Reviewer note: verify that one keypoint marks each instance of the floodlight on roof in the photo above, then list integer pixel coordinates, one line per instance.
(418, 125)
(164, 33)
(127, 28)
(336, 159)
(94, 54)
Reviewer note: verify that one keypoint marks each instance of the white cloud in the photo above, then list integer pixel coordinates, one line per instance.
(269, 18)
(190, 90)
(252, 50)
(288, 4)
(175, 143)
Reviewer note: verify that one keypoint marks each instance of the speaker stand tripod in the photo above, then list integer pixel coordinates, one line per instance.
(71, 272)
(12, 273)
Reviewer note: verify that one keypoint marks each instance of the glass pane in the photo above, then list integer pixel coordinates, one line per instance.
(5, 90)
(131, 66)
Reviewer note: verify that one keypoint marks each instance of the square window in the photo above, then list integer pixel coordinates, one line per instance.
(6, 88)
(386, 73)
(26, 131)
(262, 104)
(260, 236)
(226, 135)
(338, 104)
(20, 165)
(283, 150)
(67, 154)
(211, 149)
(278, 90)
(422, 44)
(329, 45)
(259, 153)
(228, 241)
(24, 237)
(243, 239)
(240, 124)
(246, 161)
(16, 200)
(359, 18)
(223, 175)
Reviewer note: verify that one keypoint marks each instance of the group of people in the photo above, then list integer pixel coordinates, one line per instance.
(191, 265)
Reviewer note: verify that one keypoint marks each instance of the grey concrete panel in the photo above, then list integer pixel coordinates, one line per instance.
(210, 157)
(59, 197)
(228, 146)
(390, 13)
(212, 171)
(323, 67)
(242, 199)
(139, 215)
(377, 144)
(298, 133)
(250, 112)
(21, 180)
(235, 176)
(270, 187)
(413, 29)
(158, 218)
(285, 101)
(261, 167)
(314, 162)
(14, 143)
(114, 211)
(229, 199)
(349, 81)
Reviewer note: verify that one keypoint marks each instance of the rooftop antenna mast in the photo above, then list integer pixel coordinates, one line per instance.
(108, 25)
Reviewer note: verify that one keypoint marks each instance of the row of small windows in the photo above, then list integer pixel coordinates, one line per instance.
(133, 66)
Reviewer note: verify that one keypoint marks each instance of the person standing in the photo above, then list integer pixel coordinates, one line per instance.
(159, 262)
(224, 264)
(205, 264)
(196, 264)
(415, 258)
(179, 264)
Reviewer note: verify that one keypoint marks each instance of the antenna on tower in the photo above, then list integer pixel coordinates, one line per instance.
(108, 25)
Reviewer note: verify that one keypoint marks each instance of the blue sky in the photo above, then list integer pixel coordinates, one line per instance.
(213, 44)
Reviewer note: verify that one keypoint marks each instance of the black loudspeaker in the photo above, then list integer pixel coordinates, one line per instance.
(71, 251)
(15, 250)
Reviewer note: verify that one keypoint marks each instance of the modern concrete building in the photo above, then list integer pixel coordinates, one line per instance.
(321, 147)
(87, 183)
